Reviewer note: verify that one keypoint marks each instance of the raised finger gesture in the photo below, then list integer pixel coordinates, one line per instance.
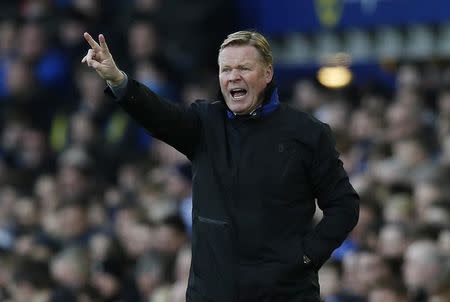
(99, 58)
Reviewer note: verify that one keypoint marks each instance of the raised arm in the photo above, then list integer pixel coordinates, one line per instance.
(177, 126)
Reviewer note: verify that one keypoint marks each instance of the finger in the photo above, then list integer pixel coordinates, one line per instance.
(89, 57)
(95, 64)
(91, 41)
(85, 57)
(103, 44)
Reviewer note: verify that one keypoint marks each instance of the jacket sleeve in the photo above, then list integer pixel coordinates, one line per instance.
(169, 122)
(335, 197)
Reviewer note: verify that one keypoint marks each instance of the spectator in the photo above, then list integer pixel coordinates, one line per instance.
(422, 269)
(78, 179)
(388, 291)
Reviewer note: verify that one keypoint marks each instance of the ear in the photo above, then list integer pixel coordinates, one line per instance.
(268, 74)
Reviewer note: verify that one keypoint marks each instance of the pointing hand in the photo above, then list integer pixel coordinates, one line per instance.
(99, 58)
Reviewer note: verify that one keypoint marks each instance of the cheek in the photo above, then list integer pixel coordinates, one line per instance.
(222, 82)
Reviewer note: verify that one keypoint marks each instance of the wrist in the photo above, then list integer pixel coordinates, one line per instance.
(116, 81)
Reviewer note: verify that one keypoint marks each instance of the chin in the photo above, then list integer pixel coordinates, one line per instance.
(239, 110)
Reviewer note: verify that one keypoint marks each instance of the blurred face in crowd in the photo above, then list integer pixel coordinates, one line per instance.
(107, 284)
(335, 114)
(397, 210)
(243, 76)
(444, 103)
(392, 241)
(198, 90)
(349, 271)
(445, 157)
(329, 282)
(138, 240)
(183, 264)
(22, 292)
(99, 245)
(83, 130)
(71, 30)
(142, 40)
(129, 177)
(12, 135)
(149, 274)
(91, 88)
(362, 126)
(182, 267)
(424, 194)
(177, 186)
(402, 121)
(366, 219)
(73, 221)
(8, 197)
(72, 180)
(305, 96)
(408, 78)
(19, 79)
(146, 5)
(168, 240)
(7, 36)
(436, 214)
(69, 268)
(32, 41)
(34, 148)
(371, 269)
(384, 295)
(421, 266)
(409, 152)
(26, 213)
(444, 242)
(46, 191)
(87, 7)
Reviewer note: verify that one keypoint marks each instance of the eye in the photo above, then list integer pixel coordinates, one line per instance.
(225, 69)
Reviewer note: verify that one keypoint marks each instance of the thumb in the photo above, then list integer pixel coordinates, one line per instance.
(94, 64)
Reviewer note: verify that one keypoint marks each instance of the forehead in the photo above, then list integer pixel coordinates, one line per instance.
(239, 54)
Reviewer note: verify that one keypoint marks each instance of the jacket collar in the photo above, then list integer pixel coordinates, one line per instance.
(270, 104)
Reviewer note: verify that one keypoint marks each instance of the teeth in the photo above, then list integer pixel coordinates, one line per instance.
(238, 93)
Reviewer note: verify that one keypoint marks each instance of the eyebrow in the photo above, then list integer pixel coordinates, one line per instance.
(238, 66)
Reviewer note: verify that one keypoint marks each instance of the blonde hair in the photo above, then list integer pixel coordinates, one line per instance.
(251, 38)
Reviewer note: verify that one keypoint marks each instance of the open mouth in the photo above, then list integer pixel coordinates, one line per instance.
(238, 93)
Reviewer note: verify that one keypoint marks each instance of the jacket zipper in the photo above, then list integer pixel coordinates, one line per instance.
(213, 221)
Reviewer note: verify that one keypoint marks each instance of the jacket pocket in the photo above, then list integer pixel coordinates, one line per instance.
(293, 252)
(213, 259)
(295, 275)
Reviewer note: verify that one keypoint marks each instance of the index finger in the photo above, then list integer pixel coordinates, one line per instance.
(92, 42)
(103, 44)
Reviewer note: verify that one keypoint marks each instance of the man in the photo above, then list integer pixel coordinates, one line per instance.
(423, 269)
(258, 167)
(388, 290)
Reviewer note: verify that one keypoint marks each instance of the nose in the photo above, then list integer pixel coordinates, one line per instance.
(234, 75)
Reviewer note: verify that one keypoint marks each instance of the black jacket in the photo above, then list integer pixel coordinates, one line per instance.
(255, 181)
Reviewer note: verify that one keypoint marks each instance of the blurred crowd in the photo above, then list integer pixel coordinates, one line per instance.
(93, 209)
(395, 147)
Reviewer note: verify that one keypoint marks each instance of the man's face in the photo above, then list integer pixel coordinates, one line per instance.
(243, 77)
(383, 295)
(421, 266)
